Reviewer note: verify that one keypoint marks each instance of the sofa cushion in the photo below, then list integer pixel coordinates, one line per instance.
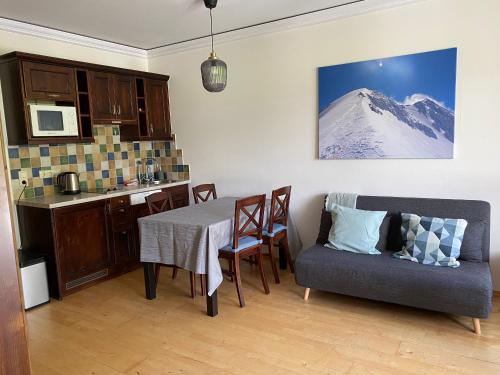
(473, 237)
(466, 290)
(470, 210)
(355, 230)
(431, 240)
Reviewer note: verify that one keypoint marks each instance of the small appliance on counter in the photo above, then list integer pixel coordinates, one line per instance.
(34, 279)
(68, 183)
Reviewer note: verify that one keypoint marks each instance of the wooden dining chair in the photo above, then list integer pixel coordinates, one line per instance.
(202, 193)
(161, 202)
(247, 240)
(276, 229)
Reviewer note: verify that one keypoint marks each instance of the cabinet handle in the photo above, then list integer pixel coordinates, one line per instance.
(54, 95)
(121, 201)
(124, 232)
(121, 210)
(119, 109)
(151, 129)
(114, 109)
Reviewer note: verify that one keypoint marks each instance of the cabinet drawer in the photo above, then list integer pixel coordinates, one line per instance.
(118, 202)
(121, 217)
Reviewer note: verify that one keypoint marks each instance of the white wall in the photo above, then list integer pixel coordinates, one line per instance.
(261, 132)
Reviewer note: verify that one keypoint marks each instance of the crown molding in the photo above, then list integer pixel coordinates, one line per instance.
(63, 36)
(350, 10)
(310, 19)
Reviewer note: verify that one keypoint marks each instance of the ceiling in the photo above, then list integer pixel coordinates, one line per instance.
(149, 24)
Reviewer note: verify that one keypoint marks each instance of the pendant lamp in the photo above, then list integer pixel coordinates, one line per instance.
(213, 69)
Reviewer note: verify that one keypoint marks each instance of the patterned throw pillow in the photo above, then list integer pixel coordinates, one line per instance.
(431, 240)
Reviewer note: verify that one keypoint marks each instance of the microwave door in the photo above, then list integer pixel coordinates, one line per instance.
(47, 121)
(50, 122)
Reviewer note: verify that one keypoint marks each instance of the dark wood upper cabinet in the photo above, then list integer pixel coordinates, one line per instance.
(114, 98)
(126, 99)
(158, 111)
(46, 81)
(101, 96)
(153, 112)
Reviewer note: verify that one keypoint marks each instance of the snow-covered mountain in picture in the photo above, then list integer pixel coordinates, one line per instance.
(365, 124)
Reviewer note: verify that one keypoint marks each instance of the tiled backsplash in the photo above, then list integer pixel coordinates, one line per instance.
(105, 163)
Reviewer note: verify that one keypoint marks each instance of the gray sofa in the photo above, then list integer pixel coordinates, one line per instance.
(466, 290)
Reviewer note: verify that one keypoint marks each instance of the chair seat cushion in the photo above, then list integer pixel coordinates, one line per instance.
(243, 243)
(466, 290)
(276, 229)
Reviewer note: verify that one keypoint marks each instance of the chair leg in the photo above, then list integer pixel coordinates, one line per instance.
(261, 269)
(202, 284)
(306, 294)
(237, 276)
(231, 269)
(157, 273)
(174, 272)
(273, 262)
(477, 326)
(192, 281)
(287, 253)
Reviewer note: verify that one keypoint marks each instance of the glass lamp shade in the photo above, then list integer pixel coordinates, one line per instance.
(214, 74)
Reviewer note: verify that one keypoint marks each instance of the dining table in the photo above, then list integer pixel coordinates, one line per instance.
(190, 238)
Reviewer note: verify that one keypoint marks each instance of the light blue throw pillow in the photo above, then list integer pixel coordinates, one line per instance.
(431, 240)
(355, 230)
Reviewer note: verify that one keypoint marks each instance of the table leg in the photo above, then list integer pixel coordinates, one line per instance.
(282, 257)
(149, 280)
(212, 306)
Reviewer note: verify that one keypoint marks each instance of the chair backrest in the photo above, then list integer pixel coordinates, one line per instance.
(280, 201)
(248, 217)
(159, 202)
(203, 192)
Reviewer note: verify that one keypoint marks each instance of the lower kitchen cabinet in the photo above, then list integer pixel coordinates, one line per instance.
(81, 243)
(88, 242)
(125, 251)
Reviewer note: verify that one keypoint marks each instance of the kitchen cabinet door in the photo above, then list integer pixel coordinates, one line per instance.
(158, 111)
(102, 97)
(82, 243)
(124, 249)
(47, 81)
(126, 99)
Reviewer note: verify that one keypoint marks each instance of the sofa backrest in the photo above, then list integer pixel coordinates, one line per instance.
(475, 212)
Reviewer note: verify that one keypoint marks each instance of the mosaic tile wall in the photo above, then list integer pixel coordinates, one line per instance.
(106, 162)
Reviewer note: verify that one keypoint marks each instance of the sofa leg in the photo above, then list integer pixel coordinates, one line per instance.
(306, 294)
(477, 325)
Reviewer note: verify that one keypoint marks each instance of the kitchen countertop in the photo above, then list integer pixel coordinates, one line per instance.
(61, 200)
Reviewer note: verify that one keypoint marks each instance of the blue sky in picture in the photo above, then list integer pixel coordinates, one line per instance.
(430, 73)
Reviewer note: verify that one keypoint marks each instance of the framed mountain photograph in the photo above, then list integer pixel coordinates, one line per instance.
(397, 107)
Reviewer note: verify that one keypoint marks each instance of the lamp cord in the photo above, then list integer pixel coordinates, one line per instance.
(211, 30)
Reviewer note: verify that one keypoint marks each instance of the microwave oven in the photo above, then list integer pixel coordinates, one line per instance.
(53, 121)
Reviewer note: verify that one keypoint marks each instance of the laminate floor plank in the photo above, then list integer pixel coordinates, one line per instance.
(112, 329)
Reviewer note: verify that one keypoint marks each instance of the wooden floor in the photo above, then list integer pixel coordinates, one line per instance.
(112, 329)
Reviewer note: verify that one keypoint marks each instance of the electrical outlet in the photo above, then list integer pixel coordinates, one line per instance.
(23, 177)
